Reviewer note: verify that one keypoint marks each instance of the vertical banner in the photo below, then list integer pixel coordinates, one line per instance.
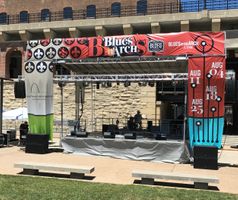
(39, 90)
(206, 87)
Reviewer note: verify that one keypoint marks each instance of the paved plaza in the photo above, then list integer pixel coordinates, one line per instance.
(118, 171)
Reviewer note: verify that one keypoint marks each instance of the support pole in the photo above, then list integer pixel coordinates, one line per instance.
(1, 103)
(185, 113)
(62, 112)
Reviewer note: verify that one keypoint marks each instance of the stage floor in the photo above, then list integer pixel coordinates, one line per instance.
(173, 151)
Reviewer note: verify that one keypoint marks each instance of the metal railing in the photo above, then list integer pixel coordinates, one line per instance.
(152, 9)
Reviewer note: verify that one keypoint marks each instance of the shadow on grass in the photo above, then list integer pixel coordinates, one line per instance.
(179, 185)
(57, 175)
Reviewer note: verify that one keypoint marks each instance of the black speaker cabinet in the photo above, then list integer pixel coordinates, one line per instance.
(104, 127)
(130, 135)
(108, 134)
(81, 134)
(37, 143)
(2, 140)
(149, 125)
(160, 137)
(73, 133)
(205, 157)
(19, 90)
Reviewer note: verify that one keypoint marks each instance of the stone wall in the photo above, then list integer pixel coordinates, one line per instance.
(116, 102)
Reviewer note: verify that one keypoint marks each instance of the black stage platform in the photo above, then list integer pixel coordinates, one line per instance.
(146, 149)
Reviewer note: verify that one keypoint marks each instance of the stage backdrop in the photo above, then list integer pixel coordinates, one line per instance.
(41, 53)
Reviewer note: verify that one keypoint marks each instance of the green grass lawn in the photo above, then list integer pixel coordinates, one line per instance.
(36, 188)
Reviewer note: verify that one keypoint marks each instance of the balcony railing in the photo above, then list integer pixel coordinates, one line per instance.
(152, 9)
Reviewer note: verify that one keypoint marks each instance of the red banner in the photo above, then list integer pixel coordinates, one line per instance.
(206, 86)
(169, 44)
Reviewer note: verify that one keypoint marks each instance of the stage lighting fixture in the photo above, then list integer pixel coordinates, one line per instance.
(85, 84)
(98, 86)
(174, 83)
(151, 83)
(142, 84)
(109, 84)
(127, 83)
(104, 84)
(181, 58)
(61, 83)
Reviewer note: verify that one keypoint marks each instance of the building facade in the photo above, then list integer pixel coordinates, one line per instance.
(21, 21)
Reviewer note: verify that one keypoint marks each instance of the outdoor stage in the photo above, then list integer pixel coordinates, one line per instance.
(173, 151)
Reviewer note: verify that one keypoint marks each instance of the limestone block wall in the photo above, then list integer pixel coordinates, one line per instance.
(9, 103)
(103, 105)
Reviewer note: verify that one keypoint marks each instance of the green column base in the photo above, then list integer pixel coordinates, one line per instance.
(41, 124)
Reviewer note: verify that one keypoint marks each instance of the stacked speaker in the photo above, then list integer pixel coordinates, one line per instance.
(19, 90)
(130, 135)
(109, 130)
(37, 143)
(81, 134)
(205, 157)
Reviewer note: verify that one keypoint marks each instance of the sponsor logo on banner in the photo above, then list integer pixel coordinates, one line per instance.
(120, 46)
(156, 46)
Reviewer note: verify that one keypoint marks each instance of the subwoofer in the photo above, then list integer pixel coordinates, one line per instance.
(149, 125)
(130, 135)
(37, 143)
(19, 90)
(108, 134)
(81, 134)
(205, 157)
(104, 127)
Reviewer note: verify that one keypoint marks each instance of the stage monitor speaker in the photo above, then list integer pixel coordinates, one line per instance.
(37, 143)
(205, 157)
(2, 139)
(131, 124)
(112, 128)
(104, 128)
(109, 134)
(73, 133)
(130, 135)
(81, 134)
(149, 125)
(19, 90)
(160, 137)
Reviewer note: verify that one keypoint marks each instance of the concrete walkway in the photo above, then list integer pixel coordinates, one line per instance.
(110, 170)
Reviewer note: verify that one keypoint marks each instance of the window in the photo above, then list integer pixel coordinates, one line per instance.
(91, 11)
(116, 9)
(14, 59)
(24, 17)
(68, 13)
(45, 15)
(141, 7)
(3, 18)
